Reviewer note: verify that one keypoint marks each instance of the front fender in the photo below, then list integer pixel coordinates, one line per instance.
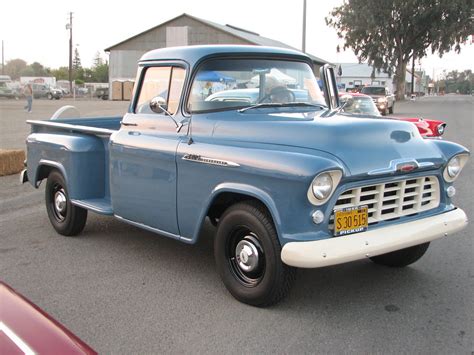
(243, 189)
(449, 149)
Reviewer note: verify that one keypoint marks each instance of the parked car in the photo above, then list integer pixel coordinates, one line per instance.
(383, 98)
(43, 90)
(27, 329)
(360, 104)
(6, 91)
(251, 95)
(288, 184)
(102, 93)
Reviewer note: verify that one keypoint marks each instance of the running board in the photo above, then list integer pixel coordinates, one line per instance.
(98, 205)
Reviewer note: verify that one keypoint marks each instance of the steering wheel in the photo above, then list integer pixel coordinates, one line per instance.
(279, 94)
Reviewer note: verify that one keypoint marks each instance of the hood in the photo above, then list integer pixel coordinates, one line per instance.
(363, 144)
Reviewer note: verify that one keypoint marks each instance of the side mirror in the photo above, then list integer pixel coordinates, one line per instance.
(346, 100)
(158, 105)
(329, 86)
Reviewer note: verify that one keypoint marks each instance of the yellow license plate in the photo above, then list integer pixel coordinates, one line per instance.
(351, 220)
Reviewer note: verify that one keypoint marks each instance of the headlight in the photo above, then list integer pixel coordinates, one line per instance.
(454, 167)
(441, 128)
(381, 99)
(322, 186)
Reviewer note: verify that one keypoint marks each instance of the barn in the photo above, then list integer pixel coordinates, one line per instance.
(182, 30)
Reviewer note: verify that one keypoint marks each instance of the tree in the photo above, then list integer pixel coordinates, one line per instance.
(76, 61)
(457, 82)
(101, 73)
(388, 33)
(98, 61)
(62, 73)
(15, 67)
(38, 69)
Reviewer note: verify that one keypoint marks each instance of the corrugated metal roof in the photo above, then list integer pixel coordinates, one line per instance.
(251, 37)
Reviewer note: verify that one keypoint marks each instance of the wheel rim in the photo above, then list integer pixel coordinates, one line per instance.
(59, 203)
(246, 257)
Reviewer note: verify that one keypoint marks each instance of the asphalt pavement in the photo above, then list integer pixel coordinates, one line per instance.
(124, 290)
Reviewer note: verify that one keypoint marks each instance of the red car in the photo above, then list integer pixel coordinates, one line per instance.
(361, 104)
(26, 329)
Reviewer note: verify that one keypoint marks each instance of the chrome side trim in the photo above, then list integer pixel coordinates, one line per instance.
(393, 166)
(211, 161)
(148, 228)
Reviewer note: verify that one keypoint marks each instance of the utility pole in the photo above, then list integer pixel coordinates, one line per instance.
(3, 62)
(69, 27)
(413, 76)
(304, 27)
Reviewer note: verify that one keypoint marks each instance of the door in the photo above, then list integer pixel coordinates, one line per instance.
(143, 153)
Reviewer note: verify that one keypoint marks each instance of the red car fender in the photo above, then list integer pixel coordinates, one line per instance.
(25, 328)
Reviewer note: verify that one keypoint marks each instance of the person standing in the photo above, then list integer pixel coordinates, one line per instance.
(28, 92)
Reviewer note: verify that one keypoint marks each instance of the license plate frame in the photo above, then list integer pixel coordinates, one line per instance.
(353, 220)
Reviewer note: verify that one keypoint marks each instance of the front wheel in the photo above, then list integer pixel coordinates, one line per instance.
(248, 256)
(50, 96)
(403, 257)
(67, 219)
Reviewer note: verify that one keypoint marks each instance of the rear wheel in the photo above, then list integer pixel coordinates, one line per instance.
(67, 219)
(50, 96)
(248, 256)
(403, 257)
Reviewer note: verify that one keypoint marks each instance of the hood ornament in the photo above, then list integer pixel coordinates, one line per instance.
(401, 165)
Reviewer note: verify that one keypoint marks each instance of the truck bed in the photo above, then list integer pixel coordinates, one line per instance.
(79, 149)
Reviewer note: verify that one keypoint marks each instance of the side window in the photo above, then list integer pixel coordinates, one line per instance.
(166, 82)
(176, 87)
(154, 84)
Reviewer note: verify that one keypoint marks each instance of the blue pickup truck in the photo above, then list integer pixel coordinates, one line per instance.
(289, 180)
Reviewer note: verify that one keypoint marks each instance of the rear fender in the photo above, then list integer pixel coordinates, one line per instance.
(81, 159)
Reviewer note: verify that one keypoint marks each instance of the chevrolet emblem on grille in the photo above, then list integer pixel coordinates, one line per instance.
(407, 167)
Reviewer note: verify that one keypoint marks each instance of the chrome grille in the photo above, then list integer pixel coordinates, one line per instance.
(392, 200)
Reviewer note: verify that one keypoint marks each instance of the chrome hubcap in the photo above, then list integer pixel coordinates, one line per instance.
(247, 254)
(60, 201)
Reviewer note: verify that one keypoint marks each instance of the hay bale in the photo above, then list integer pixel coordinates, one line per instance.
(11, 161)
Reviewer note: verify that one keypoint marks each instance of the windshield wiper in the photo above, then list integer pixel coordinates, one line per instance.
(280, 104)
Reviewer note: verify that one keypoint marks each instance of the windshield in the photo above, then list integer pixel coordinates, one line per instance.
(370, 90)
(360, 105)
(237, 83)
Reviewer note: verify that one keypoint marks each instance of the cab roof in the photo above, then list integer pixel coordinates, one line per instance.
(193, 54)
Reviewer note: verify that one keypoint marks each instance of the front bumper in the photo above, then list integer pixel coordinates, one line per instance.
(23, 176)
(374, 242)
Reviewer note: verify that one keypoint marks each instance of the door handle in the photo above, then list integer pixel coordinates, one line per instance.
(128, 124)
(134, 133)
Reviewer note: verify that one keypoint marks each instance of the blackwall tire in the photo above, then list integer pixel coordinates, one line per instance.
(67, 219)
(403, 257)
(248, 256)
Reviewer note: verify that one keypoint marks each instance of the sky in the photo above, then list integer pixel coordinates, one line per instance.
(36, 30)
